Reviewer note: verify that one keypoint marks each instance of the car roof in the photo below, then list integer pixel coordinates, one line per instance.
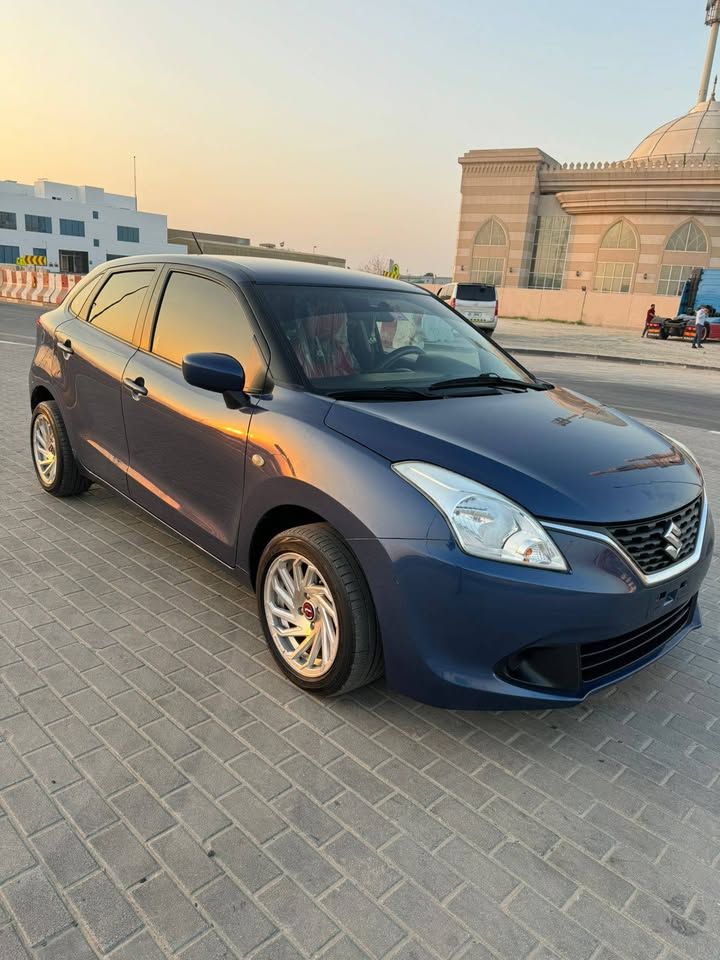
(266, 270)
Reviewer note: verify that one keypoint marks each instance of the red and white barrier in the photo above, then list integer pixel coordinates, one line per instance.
(36, 286)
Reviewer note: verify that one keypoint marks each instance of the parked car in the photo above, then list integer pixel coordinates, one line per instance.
(477, 302)
(432, 509)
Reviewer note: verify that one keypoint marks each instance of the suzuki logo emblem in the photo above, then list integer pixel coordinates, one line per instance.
(673, 539)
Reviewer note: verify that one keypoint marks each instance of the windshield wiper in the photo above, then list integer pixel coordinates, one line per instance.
(379, 393)
(491, 380)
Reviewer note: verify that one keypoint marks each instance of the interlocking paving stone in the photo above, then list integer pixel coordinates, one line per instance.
(236, 917)
(124, 856)
(168, 911)
(143, 812)
(10, 946)
(64, 853)
(14, 854)
(296, 913)
(186, 859)
(36, 907)
(108, 915)
(30, 806)
(241, 857)
(70, 945)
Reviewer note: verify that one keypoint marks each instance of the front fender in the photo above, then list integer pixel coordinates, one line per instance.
(293, 459)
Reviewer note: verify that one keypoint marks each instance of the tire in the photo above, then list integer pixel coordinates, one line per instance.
(355, 654)
(664, 335)
(47, 430)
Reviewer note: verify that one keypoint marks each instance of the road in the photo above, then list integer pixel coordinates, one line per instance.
(659, 393)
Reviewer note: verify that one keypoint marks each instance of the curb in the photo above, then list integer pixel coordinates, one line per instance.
(609, 358)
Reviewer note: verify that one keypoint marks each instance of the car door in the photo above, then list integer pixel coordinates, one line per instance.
(93, 348)
(186, 446)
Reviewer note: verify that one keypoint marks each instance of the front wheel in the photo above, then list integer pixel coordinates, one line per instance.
(53, 459)
(316, 610)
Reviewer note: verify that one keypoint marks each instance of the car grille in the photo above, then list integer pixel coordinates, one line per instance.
(598, 660)
(645, 541)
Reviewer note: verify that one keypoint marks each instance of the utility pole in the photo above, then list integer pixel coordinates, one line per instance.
(712, 20)
(135, 181)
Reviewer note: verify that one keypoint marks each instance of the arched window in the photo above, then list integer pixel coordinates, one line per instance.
(491, 234)
(488, 265)
(688, 238)
(620, 236)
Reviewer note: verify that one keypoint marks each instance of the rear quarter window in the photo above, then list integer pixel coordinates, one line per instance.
(81, 298)
(476, 291)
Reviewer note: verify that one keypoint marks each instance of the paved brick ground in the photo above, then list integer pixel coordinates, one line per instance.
(164, 793)
(604, 341)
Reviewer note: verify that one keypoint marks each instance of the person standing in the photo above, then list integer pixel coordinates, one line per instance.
(648, 319)
(701, 318)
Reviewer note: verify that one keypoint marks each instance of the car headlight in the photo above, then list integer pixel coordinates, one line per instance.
(483, 521)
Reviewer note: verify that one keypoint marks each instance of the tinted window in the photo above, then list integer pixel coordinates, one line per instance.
(129, 234)
(82, 295)
(8, 220)
(38, 224)
(116, 307)
(475, 291)
(198, 315)
(72, 228)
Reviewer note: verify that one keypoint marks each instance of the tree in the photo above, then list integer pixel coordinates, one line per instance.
(376, 264)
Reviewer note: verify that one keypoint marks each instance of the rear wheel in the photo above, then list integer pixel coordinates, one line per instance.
(317, 612)
(53, 459)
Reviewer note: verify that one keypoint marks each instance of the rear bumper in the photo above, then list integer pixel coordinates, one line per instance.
(455, 627)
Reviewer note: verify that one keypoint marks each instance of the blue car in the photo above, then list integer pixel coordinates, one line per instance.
(402, 495)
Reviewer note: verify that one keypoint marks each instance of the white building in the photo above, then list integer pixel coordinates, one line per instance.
(75, 227)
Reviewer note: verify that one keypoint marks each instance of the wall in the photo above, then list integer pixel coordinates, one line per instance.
(596, 309)
(36, 286)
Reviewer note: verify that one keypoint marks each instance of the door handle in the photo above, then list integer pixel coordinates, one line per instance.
(136, 387)
(65, 346)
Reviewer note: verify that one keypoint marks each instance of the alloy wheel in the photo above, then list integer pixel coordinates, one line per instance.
(44, 449)
(301, 615)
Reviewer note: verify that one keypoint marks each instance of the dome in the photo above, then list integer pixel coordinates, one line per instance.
(696, 133)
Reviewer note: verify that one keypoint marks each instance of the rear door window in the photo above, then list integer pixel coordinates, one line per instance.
(115, 309)
(476, 291)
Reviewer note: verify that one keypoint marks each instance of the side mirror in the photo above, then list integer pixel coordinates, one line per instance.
(214, 371)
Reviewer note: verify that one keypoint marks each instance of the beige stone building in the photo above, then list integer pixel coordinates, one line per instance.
(597, 241)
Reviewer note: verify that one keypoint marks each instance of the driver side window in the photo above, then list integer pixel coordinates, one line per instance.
(200, 315)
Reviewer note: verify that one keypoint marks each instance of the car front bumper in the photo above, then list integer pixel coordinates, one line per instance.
(465, 633)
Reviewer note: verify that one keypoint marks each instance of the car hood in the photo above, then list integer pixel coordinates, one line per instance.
(560, 455)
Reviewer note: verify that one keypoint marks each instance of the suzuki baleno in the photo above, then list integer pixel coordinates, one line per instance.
(402, 495)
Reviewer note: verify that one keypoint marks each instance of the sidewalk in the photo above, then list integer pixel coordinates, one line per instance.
(548, 337)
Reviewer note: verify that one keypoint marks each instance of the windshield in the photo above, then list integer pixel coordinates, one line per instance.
(352, 338)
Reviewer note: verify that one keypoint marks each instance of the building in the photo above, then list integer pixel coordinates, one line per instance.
(597, 242)
(219, 245)
(75, 227)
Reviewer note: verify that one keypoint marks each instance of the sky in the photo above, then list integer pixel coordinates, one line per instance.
(331, 123)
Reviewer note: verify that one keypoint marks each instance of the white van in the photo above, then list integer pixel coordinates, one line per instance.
(477, 302)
